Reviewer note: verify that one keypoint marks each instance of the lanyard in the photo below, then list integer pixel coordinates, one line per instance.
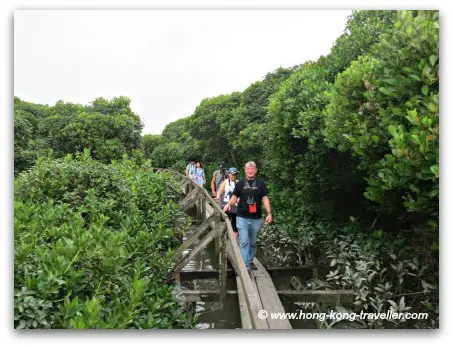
(251, 192)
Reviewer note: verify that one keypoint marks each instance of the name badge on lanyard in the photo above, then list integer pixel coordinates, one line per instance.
(252, 208)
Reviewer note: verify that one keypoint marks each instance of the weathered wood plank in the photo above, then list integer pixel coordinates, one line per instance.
(304, 272)
(209, 209)
(196, 234)
(251, 294)
(293, 295)
(188, 257)
(245, 315)
(204, 295)
(189, 200)
(269, 297)
(231, 257)
(200, 209)
(334, 297)
(213, 273)
(222, 261)
(204, 274)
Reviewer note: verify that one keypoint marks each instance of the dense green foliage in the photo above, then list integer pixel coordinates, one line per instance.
(110, 128)
(92, 246)
(348, 145)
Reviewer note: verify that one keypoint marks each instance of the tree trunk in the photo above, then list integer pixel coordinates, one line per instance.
(233, 157)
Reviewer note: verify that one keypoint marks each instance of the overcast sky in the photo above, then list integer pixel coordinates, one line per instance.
(78, 59)
(165, 61)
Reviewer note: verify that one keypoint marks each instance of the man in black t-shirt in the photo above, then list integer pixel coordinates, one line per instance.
(251, 192)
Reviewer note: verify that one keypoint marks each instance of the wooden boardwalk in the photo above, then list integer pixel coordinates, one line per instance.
(257, 296)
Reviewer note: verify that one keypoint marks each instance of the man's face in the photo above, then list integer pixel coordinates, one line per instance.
(250, 172)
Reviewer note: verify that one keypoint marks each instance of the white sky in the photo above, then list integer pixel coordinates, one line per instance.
(130, 68)
(166, 61)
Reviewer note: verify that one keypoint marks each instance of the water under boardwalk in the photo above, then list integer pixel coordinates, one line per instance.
(204, 278)
(212, 314)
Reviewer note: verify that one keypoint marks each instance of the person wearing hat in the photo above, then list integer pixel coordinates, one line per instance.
(218, 177)
(225, 193)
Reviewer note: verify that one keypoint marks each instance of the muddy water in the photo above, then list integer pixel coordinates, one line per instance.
(212, 315)
(215, 315)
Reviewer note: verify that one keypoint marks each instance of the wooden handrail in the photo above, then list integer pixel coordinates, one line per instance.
(251, 295)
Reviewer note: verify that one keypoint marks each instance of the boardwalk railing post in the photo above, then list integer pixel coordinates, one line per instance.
(200, 208)
(227, 247)
(197, 233)
(203, 207)
(223, 261)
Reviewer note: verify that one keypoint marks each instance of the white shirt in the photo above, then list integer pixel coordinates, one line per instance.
(229, 188)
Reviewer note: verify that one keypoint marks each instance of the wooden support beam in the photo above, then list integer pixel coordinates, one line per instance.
(198, 204)
(273, 271)
(321, 296)
(222, 261)
(208, 206)
(204, 295)
(188, 257)
(328, 297)
(245, 315)
(217, 247)
(203, 207)
(188, 201)
(196, 234)
(231, 257)
(304, 272)
(204, 274)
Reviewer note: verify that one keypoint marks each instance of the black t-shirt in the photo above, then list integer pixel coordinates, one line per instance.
(248, 192)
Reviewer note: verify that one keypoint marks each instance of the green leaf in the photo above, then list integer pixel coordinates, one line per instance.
(415, 77)
(392, 130)
(384, 91)
(432, 59)
(425, 90)
(435, 170)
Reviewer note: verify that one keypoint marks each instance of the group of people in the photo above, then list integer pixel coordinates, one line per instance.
(195, 171)
(241, 200)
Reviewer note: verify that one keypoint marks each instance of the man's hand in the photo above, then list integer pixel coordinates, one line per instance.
(269, 218)
(226, 208)
(213, 192)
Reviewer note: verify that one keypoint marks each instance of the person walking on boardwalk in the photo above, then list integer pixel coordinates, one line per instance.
(199, 176)
(252, 193)
(225, 193)
(218, 177)
(190, 169)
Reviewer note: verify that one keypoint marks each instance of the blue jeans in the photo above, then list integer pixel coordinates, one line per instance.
(248, 234)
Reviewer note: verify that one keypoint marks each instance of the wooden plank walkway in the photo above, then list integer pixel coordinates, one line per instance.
(269, 298)
(256, 292)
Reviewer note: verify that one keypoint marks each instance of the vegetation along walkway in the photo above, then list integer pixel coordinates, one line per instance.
(259, 300)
